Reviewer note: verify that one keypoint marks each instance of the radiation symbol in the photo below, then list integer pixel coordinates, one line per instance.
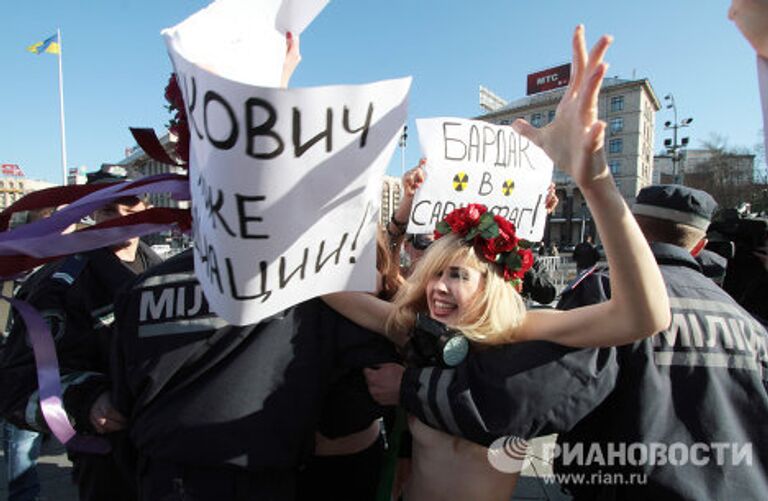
(508, 187)
(460, 181)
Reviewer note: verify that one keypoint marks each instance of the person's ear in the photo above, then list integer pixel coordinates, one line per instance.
(699, 246)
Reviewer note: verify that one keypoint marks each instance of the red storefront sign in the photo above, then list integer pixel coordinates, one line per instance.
(11, 170)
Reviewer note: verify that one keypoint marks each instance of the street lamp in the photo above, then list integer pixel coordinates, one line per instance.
(672, 145)
(584, 213)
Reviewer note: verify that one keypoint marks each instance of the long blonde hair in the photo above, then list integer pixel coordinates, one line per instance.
(496, 311)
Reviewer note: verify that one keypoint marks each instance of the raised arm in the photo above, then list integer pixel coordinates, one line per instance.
(412, 181)
(751, 17)
(639, 306)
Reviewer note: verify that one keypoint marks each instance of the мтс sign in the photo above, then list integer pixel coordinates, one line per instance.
(549, 79)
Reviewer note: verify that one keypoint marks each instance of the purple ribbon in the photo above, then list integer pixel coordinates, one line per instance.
(59, 245)
(49, 384)
(43, 238)
(178, 186)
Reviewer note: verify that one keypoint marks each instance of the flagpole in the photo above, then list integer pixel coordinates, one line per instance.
(61, 112)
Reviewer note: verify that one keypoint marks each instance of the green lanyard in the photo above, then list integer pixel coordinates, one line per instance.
(391, 457)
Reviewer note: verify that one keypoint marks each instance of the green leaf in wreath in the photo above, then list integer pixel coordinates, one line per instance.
(443, 228)
(513, 261)
(488, 227)
(524, 244)
(471, 234)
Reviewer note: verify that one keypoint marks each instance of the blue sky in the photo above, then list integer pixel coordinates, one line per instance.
(116, 66)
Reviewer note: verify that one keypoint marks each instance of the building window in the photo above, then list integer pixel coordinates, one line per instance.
(615, 166)
(536, 120)
(617, 103)
(551, 116)
(617, 125)
(615, 145)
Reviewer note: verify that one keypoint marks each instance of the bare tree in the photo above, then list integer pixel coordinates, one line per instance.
(724, 172)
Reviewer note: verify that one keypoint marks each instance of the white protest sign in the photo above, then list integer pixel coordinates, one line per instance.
(233, 38)
(285, 187)
(295, 15)
(470, 161)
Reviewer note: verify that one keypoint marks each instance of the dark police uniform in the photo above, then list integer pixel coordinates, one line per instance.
(713, 265)
(348, 408)
(701, 383)
(680, 415)
(75, 297)
(586, 255)
(224, 412)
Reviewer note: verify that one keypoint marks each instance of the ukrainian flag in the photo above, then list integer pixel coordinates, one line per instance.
(49, 45)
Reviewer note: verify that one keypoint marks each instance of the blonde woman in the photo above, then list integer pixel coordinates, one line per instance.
(467, 281)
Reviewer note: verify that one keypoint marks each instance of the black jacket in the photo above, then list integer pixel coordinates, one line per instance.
(585, 254)
(699, 384)
(199, 391)
(75, 296)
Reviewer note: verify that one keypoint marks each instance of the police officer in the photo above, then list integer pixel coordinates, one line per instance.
(585, 254)
(700, 384)
(713, 265)
(679, 415)
(75, 296)
(224, 412)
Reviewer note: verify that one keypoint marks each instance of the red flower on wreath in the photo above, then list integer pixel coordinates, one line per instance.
(178, 124)
(493, 237)
(462, 219)
(527, 256)
(507, 233)
(526, 262)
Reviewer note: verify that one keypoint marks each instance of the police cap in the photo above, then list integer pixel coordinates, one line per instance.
(107, 174)
(673, 202)
(115, 174)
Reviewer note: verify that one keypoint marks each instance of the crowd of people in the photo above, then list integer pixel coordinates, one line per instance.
(646, 366)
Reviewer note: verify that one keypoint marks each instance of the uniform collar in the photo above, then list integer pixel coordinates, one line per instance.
(673, 255)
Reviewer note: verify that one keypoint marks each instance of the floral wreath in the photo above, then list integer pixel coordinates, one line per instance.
(493, 237)
(178, 124)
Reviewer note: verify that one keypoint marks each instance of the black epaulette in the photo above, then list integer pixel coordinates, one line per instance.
(70, 269)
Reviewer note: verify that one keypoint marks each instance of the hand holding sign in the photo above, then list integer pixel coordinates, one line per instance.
(292, 58)
(413, 179)
(551, 201)
(478, 162)
(295, 15)
(574, 140)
